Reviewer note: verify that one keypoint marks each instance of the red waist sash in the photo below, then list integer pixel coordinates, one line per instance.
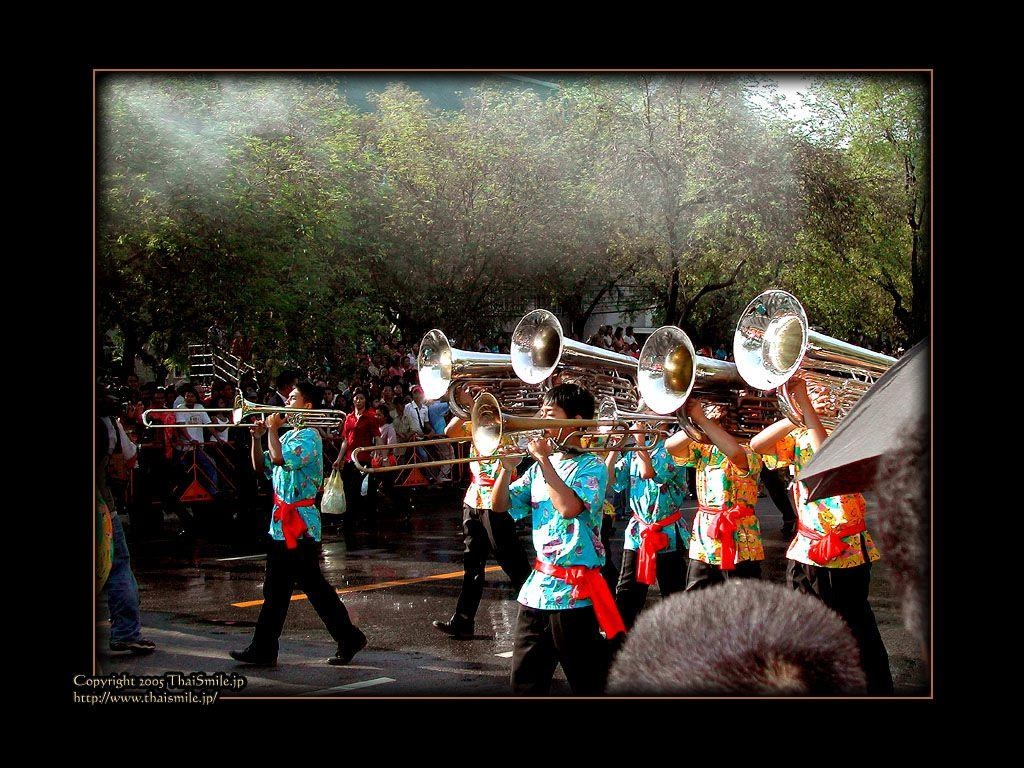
(589, 583)
(723, 526)
(652, 541)
(292, 524)
(828, 546)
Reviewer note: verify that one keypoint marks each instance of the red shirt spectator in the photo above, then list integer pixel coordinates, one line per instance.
(359, 431)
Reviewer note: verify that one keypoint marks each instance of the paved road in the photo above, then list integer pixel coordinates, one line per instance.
(394, 579)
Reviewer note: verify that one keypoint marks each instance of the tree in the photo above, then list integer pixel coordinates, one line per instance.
(865, 167)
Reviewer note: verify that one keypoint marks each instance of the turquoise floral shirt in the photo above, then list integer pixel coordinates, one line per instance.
(300, 477)
(561, 541)
(654, 499)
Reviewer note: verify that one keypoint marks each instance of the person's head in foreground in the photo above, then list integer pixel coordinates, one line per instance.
(742, 638)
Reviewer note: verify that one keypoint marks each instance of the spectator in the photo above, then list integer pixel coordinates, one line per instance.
(121, 588)
(630, 340)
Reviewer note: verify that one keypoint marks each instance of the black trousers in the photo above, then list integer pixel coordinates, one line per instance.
(845, 591)
(701, 575)
(544, 639)
(780, 497)
(286, 569)
(630, 594)
(359, 508)
(484, 532)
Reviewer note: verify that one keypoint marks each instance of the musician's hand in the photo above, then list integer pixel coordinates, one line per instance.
(695, 410)
(275, 421)
(509, 462)
(797, 389)
(540, 448)
(715, 412)
(258, 427)
(464, 396)
(821, 400)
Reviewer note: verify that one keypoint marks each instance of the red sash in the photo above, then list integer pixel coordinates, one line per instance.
(292, 524)
(723, 527)
(652, 541)
(828, 546)
(589, 583)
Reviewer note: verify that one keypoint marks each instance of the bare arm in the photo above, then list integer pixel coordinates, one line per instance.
(766, 439)
(678, 445)
(454, 428)
(809, 410)
(257, 451)
(274, 422)
(499, 491)
(726, 443)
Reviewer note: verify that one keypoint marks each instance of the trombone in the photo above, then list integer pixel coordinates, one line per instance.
(413, 444)
(294, 417)
(490, 425)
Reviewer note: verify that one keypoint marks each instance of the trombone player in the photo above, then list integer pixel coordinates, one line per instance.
(294, 463)
(565, 603)
(483, 532)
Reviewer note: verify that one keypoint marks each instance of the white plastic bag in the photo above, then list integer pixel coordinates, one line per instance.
(333, 502)
(365, 488)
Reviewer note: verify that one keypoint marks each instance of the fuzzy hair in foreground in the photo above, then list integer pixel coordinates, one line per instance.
(741, 638)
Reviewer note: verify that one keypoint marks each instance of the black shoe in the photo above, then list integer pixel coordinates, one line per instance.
(456, 627)
(138, 647)
(249, 656)
(345, 653)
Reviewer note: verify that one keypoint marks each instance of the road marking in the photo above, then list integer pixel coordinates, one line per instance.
(505, 655)
(380, 585)
(460, 671)
(240, 557)
(350, 686)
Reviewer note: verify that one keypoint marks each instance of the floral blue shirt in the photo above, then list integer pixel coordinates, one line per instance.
(654, 499)
(300, 477)
(561, 541)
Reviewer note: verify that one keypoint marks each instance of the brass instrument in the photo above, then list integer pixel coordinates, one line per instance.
(413, 444)
(442, 368)
(490, 425)
(541, 350)
(294, 417)
(773, 343)
(670, 371)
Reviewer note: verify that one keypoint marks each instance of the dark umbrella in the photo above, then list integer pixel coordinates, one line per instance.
(848, 459)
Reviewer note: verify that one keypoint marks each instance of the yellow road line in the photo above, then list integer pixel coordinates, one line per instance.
(380, 585)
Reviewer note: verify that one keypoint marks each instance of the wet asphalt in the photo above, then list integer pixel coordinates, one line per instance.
(200, 598)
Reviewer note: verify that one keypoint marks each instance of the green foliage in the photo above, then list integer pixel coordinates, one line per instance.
(272, 206)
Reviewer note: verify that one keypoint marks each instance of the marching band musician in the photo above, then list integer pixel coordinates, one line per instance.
(726, 541)
(565, 603)
(830, 557)
(482, 532)
(655, 536)
(294, 464)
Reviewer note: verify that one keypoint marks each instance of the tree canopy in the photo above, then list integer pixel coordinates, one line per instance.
(272, 204)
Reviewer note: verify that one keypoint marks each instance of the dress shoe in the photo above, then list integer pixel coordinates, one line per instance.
(456, 627)
(139, 647)
(356, 643)
(249, 656)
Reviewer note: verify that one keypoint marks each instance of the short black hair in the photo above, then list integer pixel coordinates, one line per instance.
(741, 638)
(284, 378)
(571, 398)
(311, 393)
